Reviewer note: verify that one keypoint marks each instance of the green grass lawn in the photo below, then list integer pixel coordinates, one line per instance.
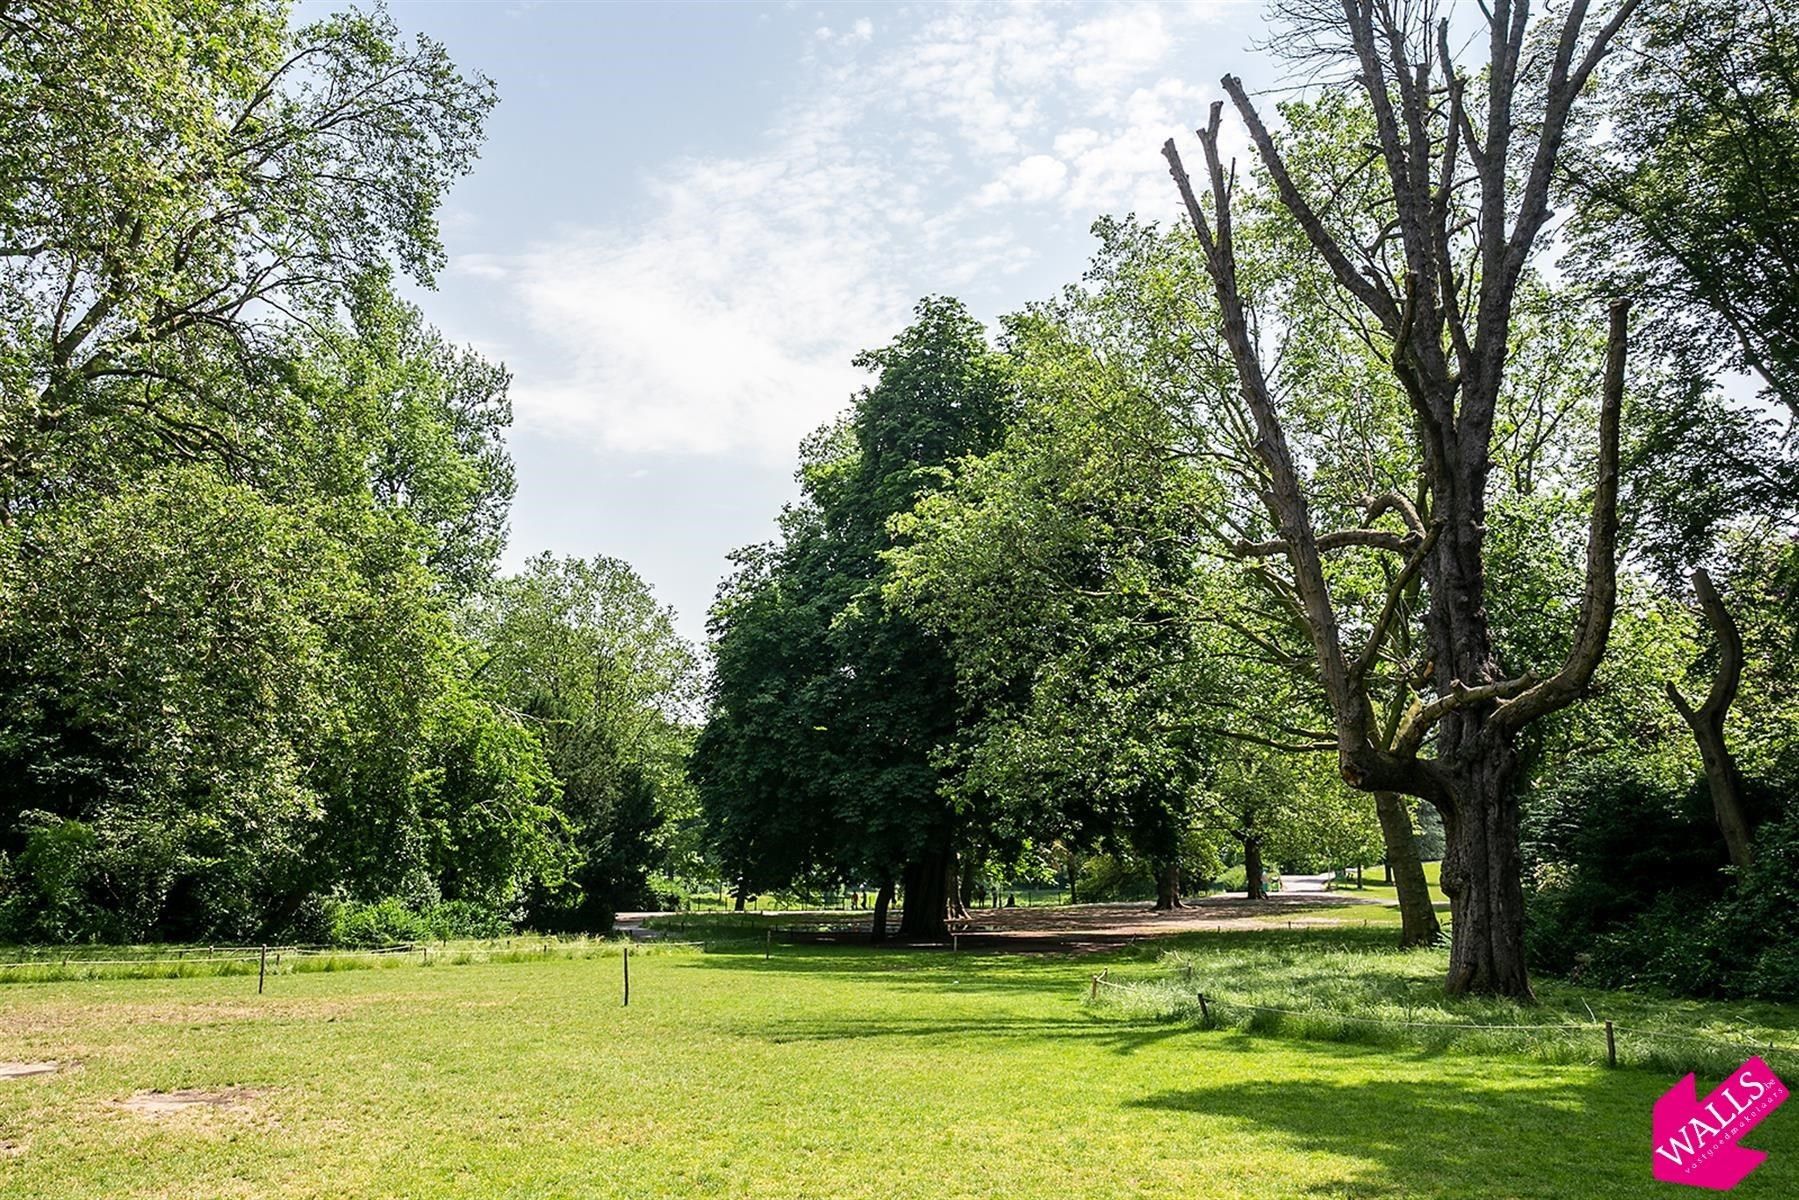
(823, 1072)
(1374, 888)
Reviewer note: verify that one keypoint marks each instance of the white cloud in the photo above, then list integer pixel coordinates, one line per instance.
(926, 160)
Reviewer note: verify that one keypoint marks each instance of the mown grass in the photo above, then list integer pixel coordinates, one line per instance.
(201, 962)
(818, 1072)
(1373, 886)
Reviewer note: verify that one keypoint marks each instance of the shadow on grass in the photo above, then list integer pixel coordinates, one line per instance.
(1118, 1036)
(1521, 1132)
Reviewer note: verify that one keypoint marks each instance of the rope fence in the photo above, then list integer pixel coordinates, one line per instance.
(264, 961)
(1208, 1003)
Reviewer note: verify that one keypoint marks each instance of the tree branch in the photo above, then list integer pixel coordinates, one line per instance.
(1599, 596)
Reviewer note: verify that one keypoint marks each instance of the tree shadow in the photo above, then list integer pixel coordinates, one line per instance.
(930, 969)
(1499, 1129)
(1121, 1037)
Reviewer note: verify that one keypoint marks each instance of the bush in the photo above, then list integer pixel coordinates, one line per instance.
(1110, 877)
(1236, 879)
(1631, 888)
(43, 892)
(391, 922)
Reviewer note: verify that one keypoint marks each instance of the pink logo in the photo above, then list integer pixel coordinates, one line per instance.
(1696, 1141)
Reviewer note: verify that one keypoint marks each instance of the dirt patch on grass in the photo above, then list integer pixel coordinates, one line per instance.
(160, 1104)
(1083, 928)
(24, 1070)
(57, 1019)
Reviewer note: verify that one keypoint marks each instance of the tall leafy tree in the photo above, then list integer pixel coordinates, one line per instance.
(861, 698)
(580, 652)
(218, 173)
(1685, 192)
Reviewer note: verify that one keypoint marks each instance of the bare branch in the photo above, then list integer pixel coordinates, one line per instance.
(1358, 285)
(1599, 595)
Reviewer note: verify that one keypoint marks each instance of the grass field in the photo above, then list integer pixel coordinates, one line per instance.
(822, 1072)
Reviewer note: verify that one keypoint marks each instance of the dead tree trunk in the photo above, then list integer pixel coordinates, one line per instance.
(1707, 723)
(1460, 224)
(1417, 919)
(1483, 878)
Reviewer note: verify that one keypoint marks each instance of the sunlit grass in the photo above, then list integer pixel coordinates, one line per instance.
(1351, 985)
(199, 962)
(818, 1071)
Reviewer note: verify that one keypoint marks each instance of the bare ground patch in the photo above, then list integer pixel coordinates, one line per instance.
(161, 1104)
(1080, 928)
(24, 1070)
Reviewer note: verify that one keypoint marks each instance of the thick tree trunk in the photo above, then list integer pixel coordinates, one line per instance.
(1417, 919)
(1707, 724)
(883, 902)
(1482, 876)
(1252, 868)
(929, 882)
(741, 892)
(1168, 887)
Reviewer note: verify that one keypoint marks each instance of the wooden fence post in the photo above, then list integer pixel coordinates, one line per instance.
(1205, 1013)
(262, 969)
(627, 975)
(1611, 1046)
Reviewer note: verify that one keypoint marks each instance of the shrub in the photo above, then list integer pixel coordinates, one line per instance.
(43, 892)
(1631, 888)
(391, 921)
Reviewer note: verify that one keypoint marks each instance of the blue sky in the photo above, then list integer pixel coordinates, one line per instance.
(688, 217)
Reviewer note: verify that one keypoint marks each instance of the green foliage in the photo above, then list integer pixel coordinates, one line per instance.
(215, 167)
(392, 921)
(1630, 887)
(828, 709)
(241, 484)
(1686, 195)
(42, 898)
(583, 655)
(1078, 575)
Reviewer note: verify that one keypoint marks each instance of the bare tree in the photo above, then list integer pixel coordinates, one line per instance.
(1707, 722)
(1468, 184)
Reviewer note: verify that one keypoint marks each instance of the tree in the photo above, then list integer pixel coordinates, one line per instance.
(1069, 571)
(1685, 194)
(1722, 777)
(830, 710)
(1433, 273)
(582, 654)
(245, 707)
(219, 176)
